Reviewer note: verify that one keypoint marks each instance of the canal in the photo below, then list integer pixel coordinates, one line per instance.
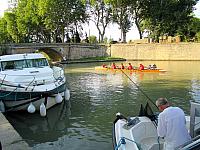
(85, 122)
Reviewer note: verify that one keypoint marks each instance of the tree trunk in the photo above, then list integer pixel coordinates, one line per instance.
(123, 35)
(102, 38)
(63, 34)
(138, 27)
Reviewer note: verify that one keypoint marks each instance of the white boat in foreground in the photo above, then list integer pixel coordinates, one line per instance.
(140, 133)
(28, 82)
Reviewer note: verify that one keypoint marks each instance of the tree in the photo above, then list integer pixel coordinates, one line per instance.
(100, 14)
(138, 10)
(30, 20)
(62, 15)
(4, 36)
(193, 30)
(12, 26)
(168, 17)
(121, 15)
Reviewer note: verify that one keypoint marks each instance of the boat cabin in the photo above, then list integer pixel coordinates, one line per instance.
(20, 61)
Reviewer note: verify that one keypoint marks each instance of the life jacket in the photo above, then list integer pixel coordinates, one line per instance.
(130, 67)
(113, 67)
(141, 67)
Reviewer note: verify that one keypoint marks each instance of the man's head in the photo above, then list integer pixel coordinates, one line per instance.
(162, 103)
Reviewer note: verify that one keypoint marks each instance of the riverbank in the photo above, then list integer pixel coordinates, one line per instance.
(10, 139)
(92, 59)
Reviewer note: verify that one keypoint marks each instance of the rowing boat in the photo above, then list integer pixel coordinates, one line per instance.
(100, 68)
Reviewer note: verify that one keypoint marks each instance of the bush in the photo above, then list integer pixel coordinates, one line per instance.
(105, 40)
(92, 39)
(197, 36)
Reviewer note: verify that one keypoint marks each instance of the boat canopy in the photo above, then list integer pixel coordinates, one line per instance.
(21, 56)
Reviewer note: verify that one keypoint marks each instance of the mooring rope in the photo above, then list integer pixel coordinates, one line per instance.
(140, 89)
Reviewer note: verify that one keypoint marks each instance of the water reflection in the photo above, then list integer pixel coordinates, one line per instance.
(85, 122)
(35, 129)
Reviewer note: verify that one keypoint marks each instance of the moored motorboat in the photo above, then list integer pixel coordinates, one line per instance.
(100, 68)
(28, 82)
(139, 132)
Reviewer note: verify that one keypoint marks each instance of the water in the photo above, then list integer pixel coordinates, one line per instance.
(85, 122)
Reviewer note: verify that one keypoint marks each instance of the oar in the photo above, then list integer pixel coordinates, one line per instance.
(140, 89)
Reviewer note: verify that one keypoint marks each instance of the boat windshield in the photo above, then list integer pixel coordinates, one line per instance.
(26, 63)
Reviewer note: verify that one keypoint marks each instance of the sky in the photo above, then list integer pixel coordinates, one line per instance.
(111, 32)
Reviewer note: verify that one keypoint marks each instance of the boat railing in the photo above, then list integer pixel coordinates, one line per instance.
(3, 81)
(30, 83)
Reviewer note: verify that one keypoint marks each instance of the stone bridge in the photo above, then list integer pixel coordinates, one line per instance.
(57, 51)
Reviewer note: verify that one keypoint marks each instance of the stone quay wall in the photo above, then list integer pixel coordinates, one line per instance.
(156, 51)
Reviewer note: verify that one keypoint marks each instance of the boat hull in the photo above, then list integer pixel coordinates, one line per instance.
(21, 100)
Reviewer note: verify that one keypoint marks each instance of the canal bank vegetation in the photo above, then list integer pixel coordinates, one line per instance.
(93, 59)
(103, 58)
(62, 21)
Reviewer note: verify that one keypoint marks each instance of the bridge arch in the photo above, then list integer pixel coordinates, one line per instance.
(52, 53)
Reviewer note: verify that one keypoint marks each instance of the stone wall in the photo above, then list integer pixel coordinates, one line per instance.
(143, 51)
(79, 51)
(173, 51)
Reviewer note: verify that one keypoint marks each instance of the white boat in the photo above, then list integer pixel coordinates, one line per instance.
(139, 133)
(28, 82)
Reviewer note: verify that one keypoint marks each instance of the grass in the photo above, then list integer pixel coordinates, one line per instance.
(102, 58)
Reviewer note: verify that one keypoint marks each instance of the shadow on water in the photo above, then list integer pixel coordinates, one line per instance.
(36, 129)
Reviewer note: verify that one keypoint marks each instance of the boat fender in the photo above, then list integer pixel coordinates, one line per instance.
(58, 98)
(120, 116)
(67, 94)
(43, 110)
(2, 106)
(31, 108)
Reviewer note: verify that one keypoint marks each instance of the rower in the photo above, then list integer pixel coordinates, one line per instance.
(154, 66)
(130, 67)
(141, 67)
(122, 66)
(104, 66)
(113, 66)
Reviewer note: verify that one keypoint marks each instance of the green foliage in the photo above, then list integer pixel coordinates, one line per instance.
(92, 39)
(12, 26)
(4, 36)
(168, 17)
(122, 15)
(61, 14)
(197, 36)
(46, 20)
(105, 40)
(102, 58)
(101, 15)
